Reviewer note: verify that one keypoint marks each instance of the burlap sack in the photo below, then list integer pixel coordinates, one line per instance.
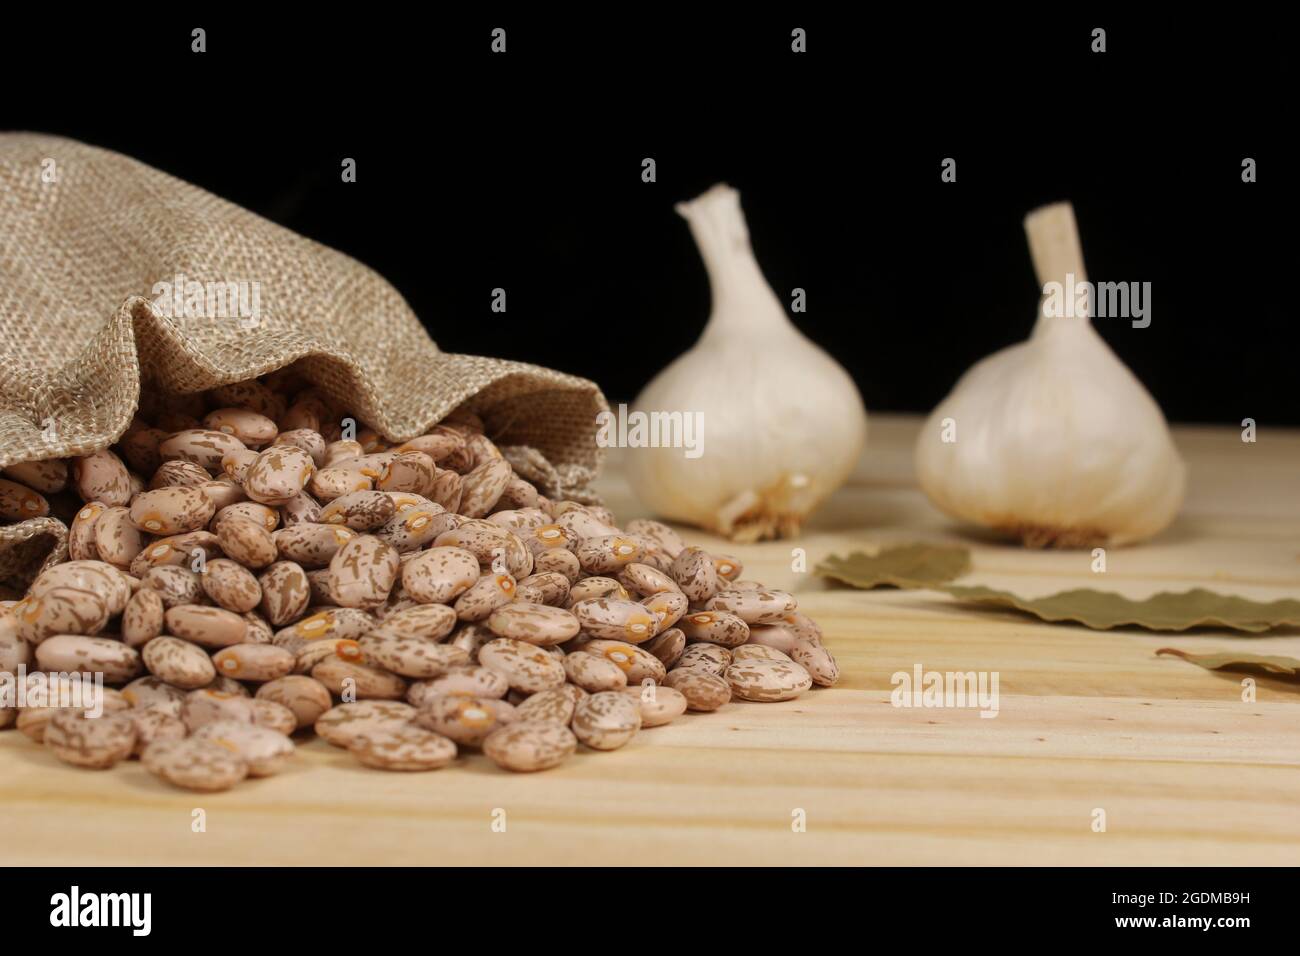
(85, 234)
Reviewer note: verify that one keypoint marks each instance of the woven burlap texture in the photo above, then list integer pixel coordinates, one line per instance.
(85, 237)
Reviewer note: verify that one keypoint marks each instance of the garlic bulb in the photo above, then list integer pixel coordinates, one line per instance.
(1054, 440)
(782, 423)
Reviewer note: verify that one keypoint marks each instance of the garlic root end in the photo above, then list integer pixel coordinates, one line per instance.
(776, 511)
(1042, 536)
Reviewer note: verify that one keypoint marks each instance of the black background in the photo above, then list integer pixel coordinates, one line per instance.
(522, 171)
(892, 905)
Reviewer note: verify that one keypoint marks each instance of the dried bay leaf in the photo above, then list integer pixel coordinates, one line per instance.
(904, 566)
(1236, 661)
(1166, 611)
(933, 566)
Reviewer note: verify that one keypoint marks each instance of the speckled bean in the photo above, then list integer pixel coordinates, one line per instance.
(659, 704)
(60, 610)
(194, 764)
(178, 662)
(527, 745)
(704, 691)
(169, 511)
(757, 652)
(359, 510)
(231, 586)
(95, 655)
(148, 692)
(266, 751)
(81, 534)
(246, 541)
(279, 474)
(338, 623)
(483, 486)
(665, 538)
(596, 587)
(174, 585)
(766, 680)
(311, 545)
(667, 607)
(466, 720)
(667, 646)
(535, 623)
(117, 540)
(464, 681)
(344, 677)
(305, 697)
(696, 574)
(202, 446)
(331, 483)
(49, 476)
(206, 705)
(414, 527)
(547, 587)
(363, 572)
(94, 742)
(607, 720)
(634, 661)
(608, 553)
(154, 723)
(753, 607)
(407, 748)
(524, 666)
(555, 705)
(410, 471)
(440, 574)
(253, 662)
(593, 674)
(488, 593)
(285, 593)
(178, 474)
(713, 658)
(262, 515)
(779, 636)
(643, 580)
(617, 620)
(416, 657)
(251, 428)
(560, 561)
(715, 627)
(816, 660)
(210, 627)
(345, 724)
(99, 577)
(101, 476)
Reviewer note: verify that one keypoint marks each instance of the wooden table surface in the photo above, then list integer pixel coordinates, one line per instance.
(1184, 770)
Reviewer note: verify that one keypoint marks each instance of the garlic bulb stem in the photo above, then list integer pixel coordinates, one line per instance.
(1057, 254)
(742, 299)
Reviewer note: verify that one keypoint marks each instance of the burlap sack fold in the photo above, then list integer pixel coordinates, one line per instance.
(86, 236)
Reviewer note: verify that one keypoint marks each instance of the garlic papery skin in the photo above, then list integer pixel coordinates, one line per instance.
(1053, 441)
(783, 424)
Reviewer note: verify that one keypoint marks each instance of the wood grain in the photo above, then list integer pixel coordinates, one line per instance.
(1186, 772)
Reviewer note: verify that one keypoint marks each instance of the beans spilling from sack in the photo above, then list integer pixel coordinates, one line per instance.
(243, 568)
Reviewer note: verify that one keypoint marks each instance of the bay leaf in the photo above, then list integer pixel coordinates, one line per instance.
(1166, 611)
(904, 566)
(1236, 661)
